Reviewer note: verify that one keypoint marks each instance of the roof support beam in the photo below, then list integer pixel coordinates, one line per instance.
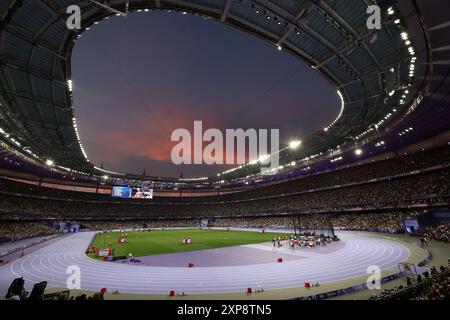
(362, 39)
(369, 97)
(7, 12)
(383, 67)
(45, 27)
(31, 72)
(226, 10)
(18, 34)
(34, 99)
(322, 5)
(19, 121)
(105, 6)
(304, 8)
(292, 19)
(289, 29)
(285, 34)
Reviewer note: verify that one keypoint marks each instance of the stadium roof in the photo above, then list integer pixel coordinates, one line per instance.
(370, 68)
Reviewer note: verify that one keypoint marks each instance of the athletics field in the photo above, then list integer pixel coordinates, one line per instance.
(145, 243)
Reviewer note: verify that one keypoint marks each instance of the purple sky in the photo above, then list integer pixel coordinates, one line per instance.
(137, 79)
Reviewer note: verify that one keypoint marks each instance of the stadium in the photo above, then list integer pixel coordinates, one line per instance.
(356, 210)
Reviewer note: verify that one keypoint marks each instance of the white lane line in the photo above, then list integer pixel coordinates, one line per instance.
(348, 262)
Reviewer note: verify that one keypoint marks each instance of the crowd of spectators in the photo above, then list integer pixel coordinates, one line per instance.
(326, 193)
(384, 222)
(139, 224)
(355, 174)
(439, 232)
(379, 222)
(433, 285)
(427, 189)
(275, 222)
(13, 231)
(390, 222)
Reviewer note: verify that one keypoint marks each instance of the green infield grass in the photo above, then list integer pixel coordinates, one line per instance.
(145, 243)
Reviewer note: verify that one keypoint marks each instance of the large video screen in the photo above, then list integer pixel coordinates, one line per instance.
(142, 193)
(121, 192)
(132, 193)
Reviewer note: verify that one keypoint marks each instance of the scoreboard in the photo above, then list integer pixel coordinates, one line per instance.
(132, 193)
